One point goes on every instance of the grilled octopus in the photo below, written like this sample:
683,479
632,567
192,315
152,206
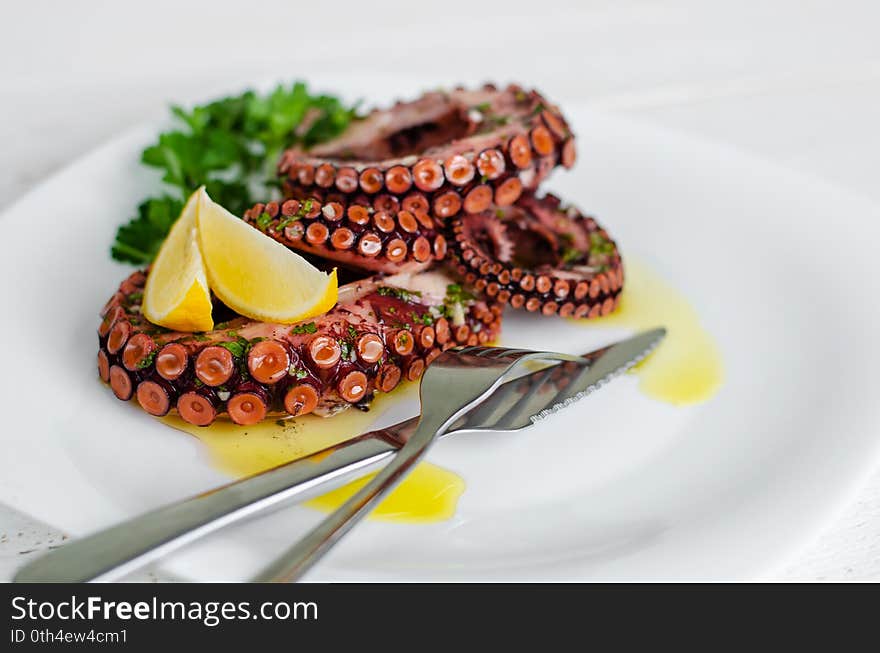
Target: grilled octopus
381,331
432,204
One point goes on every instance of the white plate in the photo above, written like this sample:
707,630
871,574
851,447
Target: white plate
618,487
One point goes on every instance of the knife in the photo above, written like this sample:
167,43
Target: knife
519,403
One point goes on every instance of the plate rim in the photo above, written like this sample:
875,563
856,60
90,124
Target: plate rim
848,490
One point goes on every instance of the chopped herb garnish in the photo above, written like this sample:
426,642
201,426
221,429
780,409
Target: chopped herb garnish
408,296
288,220
483,107
235,348
148,360
497,121
135,297
599,244
427,319
297,372
456,294
308,327
570,255
263,221
304,208
352,333
348,353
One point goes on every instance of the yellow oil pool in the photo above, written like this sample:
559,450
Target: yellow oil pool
429,493
686,368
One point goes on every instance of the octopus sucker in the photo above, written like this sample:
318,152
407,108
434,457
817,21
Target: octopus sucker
471,143
538,255
155,397
382,330
398,237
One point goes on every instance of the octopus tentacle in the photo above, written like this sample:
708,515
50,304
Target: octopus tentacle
382,330
400,237
538,255
462,148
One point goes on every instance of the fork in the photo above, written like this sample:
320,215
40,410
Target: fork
456,382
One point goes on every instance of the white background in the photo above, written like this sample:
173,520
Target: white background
794,82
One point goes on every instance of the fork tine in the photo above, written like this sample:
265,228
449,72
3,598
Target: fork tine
532,387
482,351
501,352
479,350
495,414
470,351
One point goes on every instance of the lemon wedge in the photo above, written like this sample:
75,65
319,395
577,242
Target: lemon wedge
257,276
176,295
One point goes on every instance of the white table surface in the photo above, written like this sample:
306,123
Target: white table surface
796,82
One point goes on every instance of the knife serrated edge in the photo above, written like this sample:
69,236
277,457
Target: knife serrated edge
652,339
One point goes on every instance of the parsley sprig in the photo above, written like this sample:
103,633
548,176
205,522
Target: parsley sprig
231,146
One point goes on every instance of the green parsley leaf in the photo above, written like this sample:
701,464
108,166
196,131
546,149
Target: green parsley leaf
139,240
230,145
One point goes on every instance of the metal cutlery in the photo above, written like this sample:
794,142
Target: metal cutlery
120,549
455,382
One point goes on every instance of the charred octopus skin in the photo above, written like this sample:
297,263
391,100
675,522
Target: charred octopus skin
539,255
461,150
381,332
354,233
